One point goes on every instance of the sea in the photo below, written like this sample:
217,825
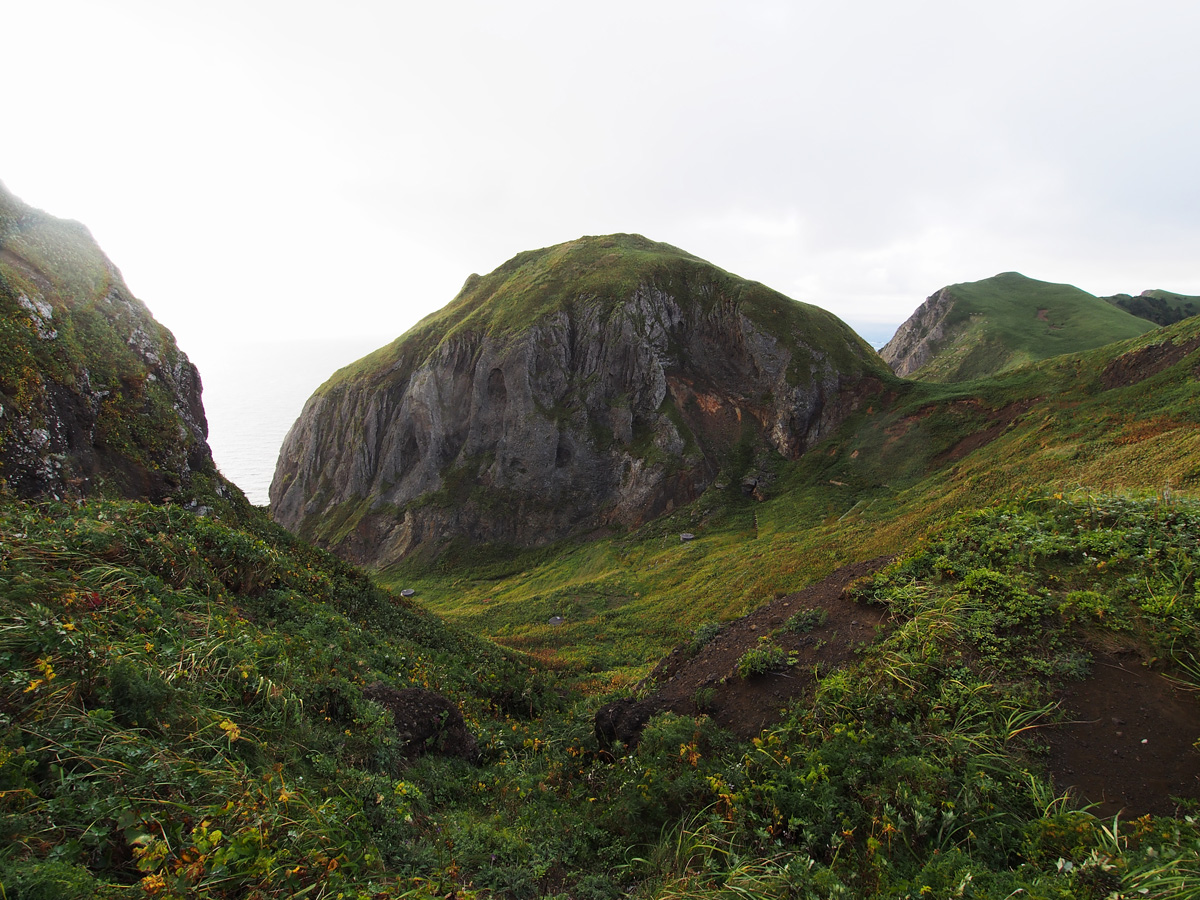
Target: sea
253,394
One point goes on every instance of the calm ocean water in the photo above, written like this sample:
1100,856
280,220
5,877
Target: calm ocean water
253,393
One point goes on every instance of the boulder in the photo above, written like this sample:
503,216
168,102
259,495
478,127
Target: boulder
623,720
426,722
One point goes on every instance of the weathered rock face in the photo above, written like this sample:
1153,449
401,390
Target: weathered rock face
95,397
920,337
982,328
527,418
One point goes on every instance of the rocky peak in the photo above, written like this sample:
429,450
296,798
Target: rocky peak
95,397
600,382
917,339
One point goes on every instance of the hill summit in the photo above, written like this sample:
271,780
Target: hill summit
982,328
599,382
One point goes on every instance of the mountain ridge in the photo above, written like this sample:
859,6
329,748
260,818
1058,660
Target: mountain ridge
981,328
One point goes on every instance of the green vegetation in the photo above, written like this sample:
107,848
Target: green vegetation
183,716
1009,320
1159,307
183,697
764,657
805,620
871,489
182,709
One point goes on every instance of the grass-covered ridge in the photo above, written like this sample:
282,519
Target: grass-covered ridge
603,272
1009,320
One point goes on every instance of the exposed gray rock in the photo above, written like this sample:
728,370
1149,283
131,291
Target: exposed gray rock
593,414
915,341
96,396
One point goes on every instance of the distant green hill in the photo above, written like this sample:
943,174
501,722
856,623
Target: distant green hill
1159,307
982,328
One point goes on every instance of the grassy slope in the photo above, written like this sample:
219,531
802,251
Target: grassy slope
1009,320
182,705
871,489
183,718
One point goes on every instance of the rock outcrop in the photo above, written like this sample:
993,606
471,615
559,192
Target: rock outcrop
95,397
919,336
595,383
425,721
982,328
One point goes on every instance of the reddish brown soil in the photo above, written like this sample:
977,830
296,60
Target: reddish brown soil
1097,752
1138,365
1000,419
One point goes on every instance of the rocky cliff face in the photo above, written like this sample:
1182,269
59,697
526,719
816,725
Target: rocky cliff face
982,328
601,382
95,397
918,339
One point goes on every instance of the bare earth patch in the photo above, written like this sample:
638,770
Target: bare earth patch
1126,744
747,706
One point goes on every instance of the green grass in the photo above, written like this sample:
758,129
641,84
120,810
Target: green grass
1009,320
183,716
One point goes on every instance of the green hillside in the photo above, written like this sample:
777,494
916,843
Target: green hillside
1159,307
196,703
1009,320
922,454
184,717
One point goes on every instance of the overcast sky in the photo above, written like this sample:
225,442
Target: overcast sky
302,170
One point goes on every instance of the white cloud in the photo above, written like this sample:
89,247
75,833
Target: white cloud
306,169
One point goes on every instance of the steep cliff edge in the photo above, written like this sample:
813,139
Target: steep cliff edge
599,382
95,397
981,328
